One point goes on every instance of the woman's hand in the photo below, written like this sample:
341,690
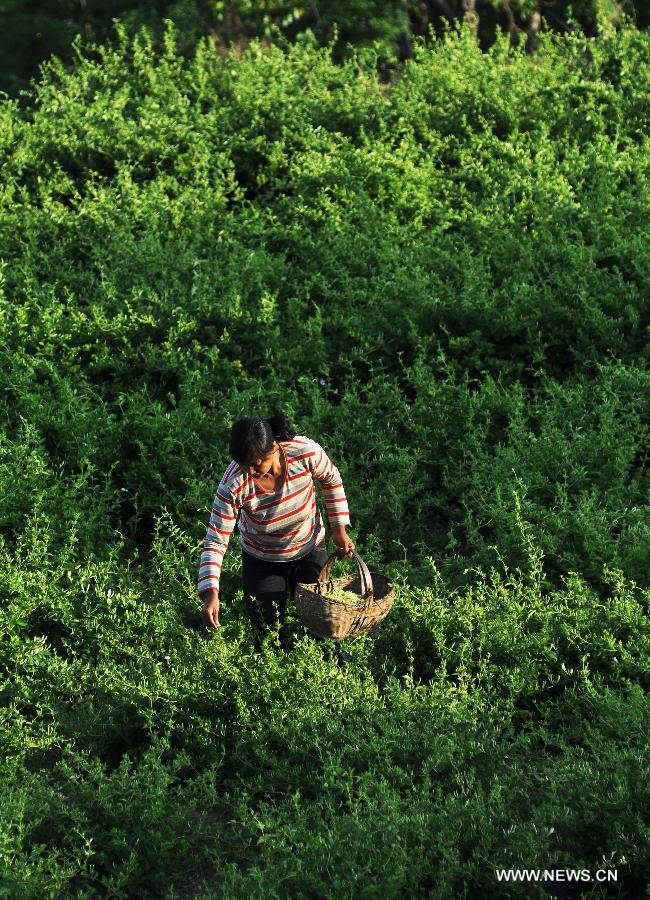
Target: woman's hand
210,611
344,544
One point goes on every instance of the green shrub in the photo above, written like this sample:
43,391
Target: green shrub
445,283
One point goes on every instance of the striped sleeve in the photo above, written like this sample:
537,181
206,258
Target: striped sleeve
222,523
329,477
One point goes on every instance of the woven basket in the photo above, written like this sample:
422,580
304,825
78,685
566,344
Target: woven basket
325,617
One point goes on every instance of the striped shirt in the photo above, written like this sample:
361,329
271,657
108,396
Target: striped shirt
274,525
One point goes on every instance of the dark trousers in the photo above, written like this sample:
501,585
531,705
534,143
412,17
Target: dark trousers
265,594
266,585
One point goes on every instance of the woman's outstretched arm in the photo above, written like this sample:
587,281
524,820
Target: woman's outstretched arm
222,523
329,478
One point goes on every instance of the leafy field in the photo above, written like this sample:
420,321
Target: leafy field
445,281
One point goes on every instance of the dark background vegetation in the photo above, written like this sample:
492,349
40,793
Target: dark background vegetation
32,30
443,277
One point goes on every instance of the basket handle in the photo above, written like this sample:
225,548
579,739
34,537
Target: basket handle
362,568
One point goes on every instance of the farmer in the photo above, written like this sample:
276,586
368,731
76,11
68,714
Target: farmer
268,487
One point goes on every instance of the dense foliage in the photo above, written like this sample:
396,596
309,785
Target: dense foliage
445,283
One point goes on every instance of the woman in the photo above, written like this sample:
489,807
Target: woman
268,488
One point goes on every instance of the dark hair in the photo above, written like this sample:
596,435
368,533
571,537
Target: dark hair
252,437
